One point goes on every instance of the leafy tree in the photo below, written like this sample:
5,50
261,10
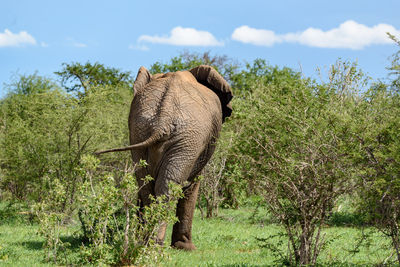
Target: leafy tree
45,134
295,145
78,79
379,140
260,72
28,114
186,60
223,181
379,155
236,187
30,84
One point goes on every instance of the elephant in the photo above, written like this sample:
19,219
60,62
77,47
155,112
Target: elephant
174,122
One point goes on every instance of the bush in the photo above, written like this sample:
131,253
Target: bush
45,133
113,231
295,147
379,163
378,155
217,179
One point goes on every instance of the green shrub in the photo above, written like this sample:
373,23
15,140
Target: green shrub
112,231
44,133
295,148
379,163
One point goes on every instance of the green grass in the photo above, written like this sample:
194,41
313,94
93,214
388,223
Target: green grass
229,240
19,244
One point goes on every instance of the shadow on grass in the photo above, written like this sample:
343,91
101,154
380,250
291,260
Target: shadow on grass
15,213
346,219
335,219
75,243
33,245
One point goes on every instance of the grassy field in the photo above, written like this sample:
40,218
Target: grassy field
229,240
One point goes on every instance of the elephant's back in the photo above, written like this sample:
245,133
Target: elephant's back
174,102
195,97
200,108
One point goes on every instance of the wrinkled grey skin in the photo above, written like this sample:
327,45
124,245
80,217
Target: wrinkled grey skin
174,122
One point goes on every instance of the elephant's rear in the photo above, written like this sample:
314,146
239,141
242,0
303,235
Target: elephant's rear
185,110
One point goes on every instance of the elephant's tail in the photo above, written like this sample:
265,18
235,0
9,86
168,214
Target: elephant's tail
146,143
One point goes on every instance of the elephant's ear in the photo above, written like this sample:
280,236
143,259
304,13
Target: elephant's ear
143,77
210,78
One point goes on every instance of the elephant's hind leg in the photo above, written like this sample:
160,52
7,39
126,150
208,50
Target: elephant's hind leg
182,230
181,164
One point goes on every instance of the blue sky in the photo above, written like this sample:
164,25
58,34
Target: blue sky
40,35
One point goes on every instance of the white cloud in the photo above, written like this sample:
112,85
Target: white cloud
248,35
11,39
183,37
349,34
